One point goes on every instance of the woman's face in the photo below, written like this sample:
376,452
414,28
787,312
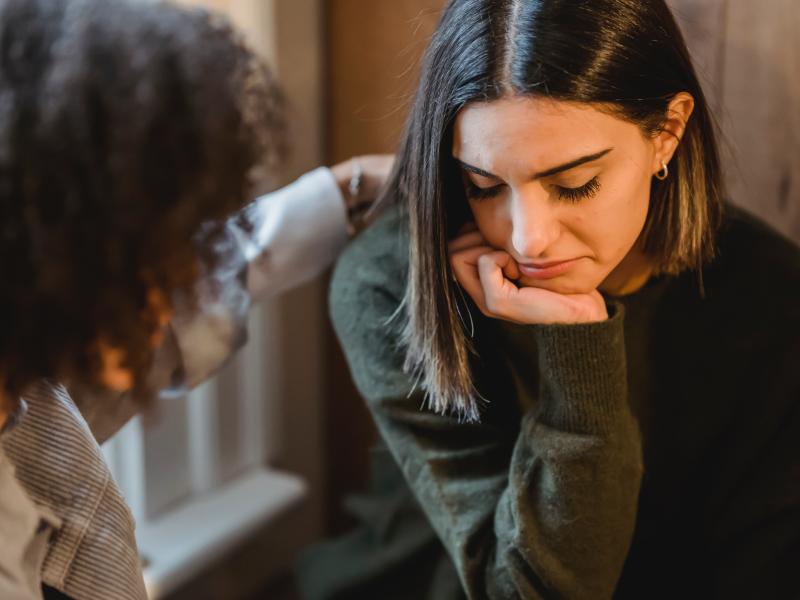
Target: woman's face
562,187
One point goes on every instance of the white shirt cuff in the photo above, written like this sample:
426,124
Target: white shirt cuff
298,232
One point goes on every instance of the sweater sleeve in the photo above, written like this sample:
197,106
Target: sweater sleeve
549,514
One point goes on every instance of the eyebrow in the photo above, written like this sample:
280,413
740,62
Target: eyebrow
547,173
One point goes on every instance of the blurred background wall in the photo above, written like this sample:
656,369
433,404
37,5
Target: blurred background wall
748,57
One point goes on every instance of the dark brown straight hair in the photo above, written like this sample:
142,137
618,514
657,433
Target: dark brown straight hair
626,57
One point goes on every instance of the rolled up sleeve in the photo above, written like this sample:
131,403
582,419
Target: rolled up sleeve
298,232
293,235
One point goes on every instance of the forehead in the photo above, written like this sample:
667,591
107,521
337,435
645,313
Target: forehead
539,127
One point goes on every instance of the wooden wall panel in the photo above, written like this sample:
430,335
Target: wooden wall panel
702,23
749,56
761,110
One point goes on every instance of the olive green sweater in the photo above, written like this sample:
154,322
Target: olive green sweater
656,454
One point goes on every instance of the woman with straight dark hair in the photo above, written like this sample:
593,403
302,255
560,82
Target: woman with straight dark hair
582,359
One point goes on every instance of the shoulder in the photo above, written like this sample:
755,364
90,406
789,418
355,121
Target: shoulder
366,295
371,274
740,316
745,237
751,310
756,265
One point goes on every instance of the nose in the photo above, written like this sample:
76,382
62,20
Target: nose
534,224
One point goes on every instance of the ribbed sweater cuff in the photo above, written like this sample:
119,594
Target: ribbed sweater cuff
584,376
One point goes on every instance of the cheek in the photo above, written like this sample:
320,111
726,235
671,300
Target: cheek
636,208
614,224
492,221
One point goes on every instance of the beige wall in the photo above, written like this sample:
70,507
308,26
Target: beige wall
374,49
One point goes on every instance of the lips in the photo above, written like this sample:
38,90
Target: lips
547,270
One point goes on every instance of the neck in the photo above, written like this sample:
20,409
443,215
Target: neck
630,275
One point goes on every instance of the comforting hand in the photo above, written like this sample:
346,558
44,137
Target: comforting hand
361,179
488,276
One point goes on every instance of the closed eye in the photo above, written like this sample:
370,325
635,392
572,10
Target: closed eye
475,192
565,193
588,190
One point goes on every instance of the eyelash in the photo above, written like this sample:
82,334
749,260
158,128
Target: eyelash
574,195
587,190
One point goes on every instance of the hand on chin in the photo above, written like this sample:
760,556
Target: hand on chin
493,280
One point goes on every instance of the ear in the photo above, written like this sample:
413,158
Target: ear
667,139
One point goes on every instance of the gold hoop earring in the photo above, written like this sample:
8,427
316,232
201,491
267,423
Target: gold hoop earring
663,173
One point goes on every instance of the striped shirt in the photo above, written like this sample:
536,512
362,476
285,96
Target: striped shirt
59,466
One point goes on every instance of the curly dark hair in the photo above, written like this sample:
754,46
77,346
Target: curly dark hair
124,127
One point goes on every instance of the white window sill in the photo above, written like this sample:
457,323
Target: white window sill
180,545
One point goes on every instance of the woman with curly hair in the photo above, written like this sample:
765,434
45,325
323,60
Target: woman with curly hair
132,135
582,360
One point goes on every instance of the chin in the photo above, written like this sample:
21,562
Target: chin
569,283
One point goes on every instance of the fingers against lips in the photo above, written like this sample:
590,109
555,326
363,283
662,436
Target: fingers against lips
488,276
493,271
482,271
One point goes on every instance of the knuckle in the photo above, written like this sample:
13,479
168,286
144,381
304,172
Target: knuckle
494,304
